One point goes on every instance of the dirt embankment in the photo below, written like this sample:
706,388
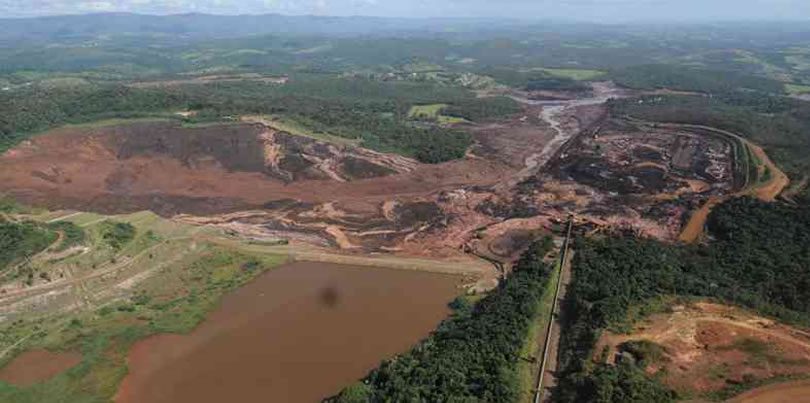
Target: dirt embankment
788,392
707,347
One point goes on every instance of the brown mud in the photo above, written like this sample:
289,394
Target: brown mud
36,366
299,333
522,174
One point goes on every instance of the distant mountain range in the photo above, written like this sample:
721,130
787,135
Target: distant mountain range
191,27
221,26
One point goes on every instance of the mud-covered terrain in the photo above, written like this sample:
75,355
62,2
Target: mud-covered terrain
523,173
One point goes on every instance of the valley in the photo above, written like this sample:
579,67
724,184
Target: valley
402,210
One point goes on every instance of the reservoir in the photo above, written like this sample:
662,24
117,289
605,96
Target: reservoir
298,333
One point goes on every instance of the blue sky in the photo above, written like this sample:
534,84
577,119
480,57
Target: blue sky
591,10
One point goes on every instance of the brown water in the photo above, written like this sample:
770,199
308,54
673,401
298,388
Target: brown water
296,334
35,366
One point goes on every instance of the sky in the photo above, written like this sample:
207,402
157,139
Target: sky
588,10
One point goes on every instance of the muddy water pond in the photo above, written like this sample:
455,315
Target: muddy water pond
35,366
298,333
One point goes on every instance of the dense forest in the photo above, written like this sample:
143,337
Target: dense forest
480,109
655,76
22,240
758,259
533,80
374,112
472,356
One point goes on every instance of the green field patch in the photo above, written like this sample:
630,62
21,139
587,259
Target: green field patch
574,74
433,112
292,126
181,279
118,122
797,89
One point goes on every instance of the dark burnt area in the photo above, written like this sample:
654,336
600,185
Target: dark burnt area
357,168
518,207
235,147
415,213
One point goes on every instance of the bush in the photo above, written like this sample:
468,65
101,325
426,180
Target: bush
117,234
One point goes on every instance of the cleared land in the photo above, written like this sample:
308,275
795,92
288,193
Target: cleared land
433,111
575,74
703,348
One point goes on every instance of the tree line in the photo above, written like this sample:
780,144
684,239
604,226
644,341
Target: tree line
758,259
374,112
474,355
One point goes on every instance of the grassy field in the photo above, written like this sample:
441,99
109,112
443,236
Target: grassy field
103,299
433,111
575,74
797,89
118,122
288,125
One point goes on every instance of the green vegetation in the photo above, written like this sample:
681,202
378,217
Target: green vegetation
691,79
765,273
532,349
117,234
22,240
433,113
190,285
290,126
481,109
797,89
373,113
575,74
645,351
8,205
474,355
71,234
105,337
36,109
540,79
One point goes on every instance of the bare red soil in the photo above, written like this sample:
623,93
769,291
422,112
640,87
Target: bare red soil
171,170
522,174
708,347
36,366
